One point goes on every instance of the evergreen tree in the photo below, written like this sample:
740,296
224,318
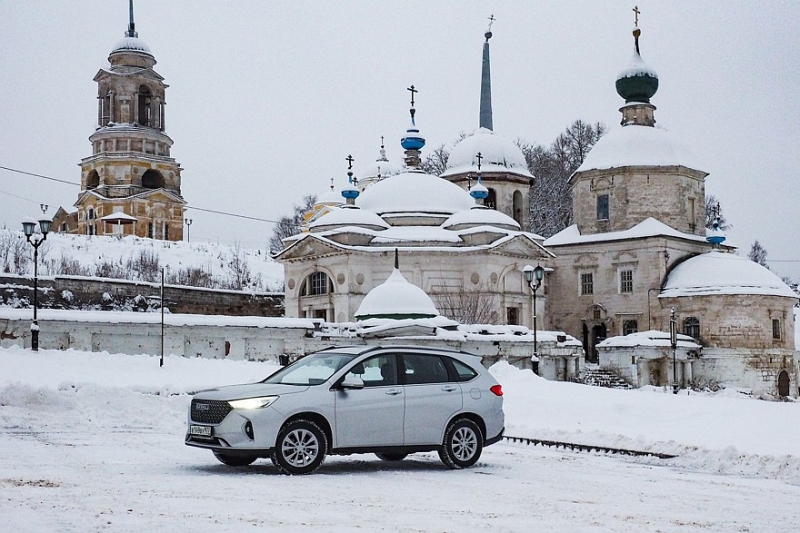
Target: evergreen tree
290,225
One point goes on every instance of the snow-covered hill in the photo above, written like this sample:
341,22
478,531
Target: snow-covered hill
201,264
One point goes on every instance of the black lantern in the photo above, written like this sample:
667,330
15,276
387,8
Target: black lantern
29,228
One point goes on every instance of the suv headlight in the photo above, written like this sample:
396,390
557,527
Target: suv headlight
253,403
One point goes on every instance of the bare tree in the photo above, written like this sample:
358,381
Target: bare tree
713,211
758,254
475,307
238,269
290,225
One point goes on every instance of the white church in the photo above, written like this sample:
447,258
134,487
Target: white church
637,258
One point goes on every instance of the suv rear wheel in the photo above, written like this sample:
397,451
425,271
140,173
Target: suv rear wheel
300,448
463,444
234,460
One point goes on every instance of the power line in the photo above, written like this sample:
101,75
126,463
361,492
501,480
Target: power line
75,183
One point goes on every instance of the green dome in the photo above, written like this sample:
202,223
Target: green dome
639,87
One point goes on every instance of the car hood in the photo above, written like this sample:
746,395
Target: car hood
250,390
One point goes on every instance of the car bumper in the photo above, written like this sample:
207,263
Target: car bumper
495,439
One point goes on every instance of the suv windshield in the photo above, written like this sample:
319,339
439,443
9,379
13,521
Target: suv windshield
310,370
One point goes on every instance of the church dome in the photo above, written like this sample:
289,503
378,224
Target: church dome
396,298
717,273
638,82
498,154
638,145
415,192
329,197
132,44
480,216
382,168
348,215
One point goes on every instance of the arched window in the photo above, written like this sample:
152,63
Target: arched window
518,208
152,179
92,180
145,118
491,200
691,327
630,326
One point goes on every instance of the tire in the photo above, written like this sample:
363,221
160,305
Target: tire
300,448
234,460
463,444
391,456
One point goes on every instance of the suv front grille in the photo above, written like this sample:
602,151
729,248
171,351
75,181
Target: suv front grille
210,411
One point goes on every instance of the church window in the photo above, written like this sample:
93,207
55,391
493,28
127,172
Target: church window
92,180
602,207
90,214
776,329
630,326
587,283
318,283
491,200
152,179
144,106
626,281
691,327
518,208
166,231
150,230
512,316
692,214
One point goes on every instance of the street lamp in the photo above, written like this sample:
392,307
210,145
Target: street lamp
673,340
29,227
534,278
188,222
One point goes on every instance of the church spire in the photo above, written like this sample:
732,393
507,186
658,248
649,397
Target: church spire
486,82
131,25
637,84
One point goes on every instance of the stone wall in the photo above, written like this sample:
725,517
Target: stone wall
75,292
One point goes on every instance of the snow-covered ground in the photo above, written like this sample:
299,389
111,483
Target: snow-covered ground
100,256
94,442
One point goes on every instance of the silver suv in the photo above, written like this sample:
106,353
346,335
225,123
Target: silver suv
391,401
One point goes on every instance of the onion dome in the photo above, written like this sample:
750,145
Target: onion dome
396,298
638,82
715,235
350,191
499,154
479,191
376,171
716,273
415,192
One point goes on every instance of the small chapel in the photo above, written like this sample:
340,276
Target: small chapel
130,185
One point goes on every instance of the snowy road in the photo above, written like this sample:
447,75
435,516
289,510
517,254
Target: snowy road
106,453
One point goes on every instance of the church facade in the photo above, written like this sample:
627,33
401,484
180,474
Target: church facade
130,184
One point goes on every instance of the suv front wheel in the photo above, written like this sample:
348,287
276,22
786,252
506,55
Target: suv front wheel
300,448
463,444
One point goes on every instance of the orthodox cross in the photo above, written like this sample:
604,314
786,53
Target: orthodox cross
413,92
382,141
349,160
636,15
332,184
479,157
491,21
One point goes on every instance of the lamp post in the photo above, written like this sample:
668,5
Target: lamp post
534,278
673,340
29,227
188,222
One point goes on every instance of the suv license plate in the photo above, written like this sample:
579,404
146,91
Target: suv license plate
203,431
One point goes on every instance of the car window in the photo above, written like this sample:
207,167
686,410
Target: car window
313,369
420,368
377,371
463,372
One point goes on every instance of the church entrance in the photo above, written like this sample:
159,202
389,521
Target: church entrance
599,334
783,384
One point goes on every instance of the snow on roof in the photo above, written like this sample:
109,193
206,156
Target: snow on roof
499,154
396,297
480,215
718,272
349,215
113,217
637,67
648,338
635,145
417,234
329,197
414,191
383,167
133,44
649,227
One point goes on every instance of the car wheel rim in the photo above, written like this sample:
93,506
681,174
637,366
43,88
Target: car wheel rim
465,443
300,447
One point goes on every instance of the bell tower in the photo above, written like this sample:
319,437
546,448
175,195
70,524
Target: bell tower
130,185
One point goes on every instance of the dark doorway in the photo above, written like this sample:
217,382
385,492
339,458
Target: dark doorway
599,334
585,337
512,316
783,384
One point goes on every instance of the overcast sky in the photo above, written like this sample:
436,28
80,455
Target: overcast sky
266,99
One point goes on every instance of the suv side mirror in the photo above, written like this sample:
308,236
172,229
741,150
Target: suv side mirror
352,382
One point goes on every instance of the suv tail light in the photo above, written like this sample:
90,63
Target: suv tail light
497,390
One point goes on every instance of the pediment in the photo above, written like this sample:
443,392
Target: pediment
523,247
307,247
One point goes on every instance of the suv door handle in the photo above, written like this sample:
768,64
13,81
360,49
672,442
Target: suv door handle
449,388
394,392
